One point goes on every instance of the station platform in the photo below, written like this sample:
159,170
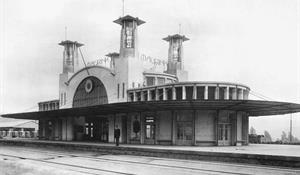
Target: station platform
262,154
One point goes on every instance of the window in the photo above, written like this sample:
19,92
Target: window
184,122
87,128
118,90
61,99
160,80
211,93
189,92
65,99
123,90
132,84
129,35
150,81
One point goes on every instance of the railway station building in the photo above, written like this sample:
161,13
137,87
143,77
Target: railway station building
149,107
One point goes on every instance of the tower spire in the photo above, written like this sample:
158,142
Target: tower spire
65,32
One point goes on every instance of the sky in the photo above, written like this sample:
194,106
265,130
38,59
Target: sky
252,42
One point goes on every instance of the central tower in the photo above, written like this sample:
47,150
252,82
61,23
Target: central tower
129,68
129,38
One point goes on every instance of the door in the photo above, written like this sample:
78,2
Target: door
124,129
96,129
102,130
224,134
49,130
89,130
149,130
184,133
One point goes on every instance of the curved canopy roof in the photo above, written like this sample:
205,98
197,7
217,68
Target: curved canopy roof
252,107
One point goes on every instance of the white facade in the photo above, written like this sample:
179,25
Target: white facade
128,81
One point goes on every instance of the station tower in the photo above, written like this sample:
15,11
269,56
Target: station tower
129,68
70,66
175,56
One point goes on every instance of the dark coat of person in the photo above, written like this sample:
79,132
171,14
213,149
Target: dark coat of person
117,133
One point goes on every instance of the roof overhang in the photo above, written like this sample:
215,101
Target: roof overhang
251,107
129,18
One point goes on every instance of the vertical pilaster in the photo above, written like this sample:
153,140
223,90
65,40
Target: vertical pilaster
155,81
156,94
149,95
173,131
216,127
227,93
164,94
245,94
142,96
217,93
157,128
194,128
173,93
142,122
183,93
235,93
134,96
206,93
194,92
129,122
241,94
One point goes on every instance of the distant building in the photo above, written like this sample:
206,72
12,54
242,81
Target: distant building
149,107
48,105
22,129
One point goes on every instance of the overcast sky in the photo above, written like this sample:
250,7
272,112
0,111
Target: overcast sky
254,42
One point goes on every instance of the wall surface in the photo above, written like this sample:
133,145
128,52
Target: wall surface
205,127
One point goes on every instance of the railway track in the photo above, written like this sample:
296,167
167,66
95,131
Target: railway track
150,164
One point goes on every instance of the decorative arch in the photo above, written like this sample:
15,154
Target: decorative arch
90,92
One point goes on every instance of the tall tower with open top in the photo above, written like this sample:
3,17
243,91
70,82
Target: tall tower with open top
175,56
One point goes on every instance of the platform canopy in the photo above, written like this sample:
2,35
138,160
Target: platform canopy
253,107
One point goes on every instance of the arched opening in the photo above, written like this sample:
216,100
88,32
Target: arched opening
90,92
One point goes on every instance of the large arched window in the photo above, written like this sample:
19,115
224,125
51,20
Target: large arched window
90,92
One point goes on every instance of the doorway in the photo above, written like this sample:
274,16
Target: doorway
149,130
224,134
184,133
124,129
96,129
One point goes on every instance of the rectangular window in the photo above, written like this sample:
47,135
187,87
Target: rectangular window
61,99
118,90
65,99
150,81
123,90
132,84
211,93
160,81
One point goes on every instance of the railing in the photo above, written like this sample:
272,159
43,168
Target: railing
190,91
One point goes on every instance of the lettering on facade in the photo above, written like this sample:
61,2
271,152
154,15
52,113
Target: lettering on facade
147,59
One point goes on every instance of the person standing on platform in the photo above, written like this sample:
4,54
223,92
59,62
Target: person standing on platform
117,135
